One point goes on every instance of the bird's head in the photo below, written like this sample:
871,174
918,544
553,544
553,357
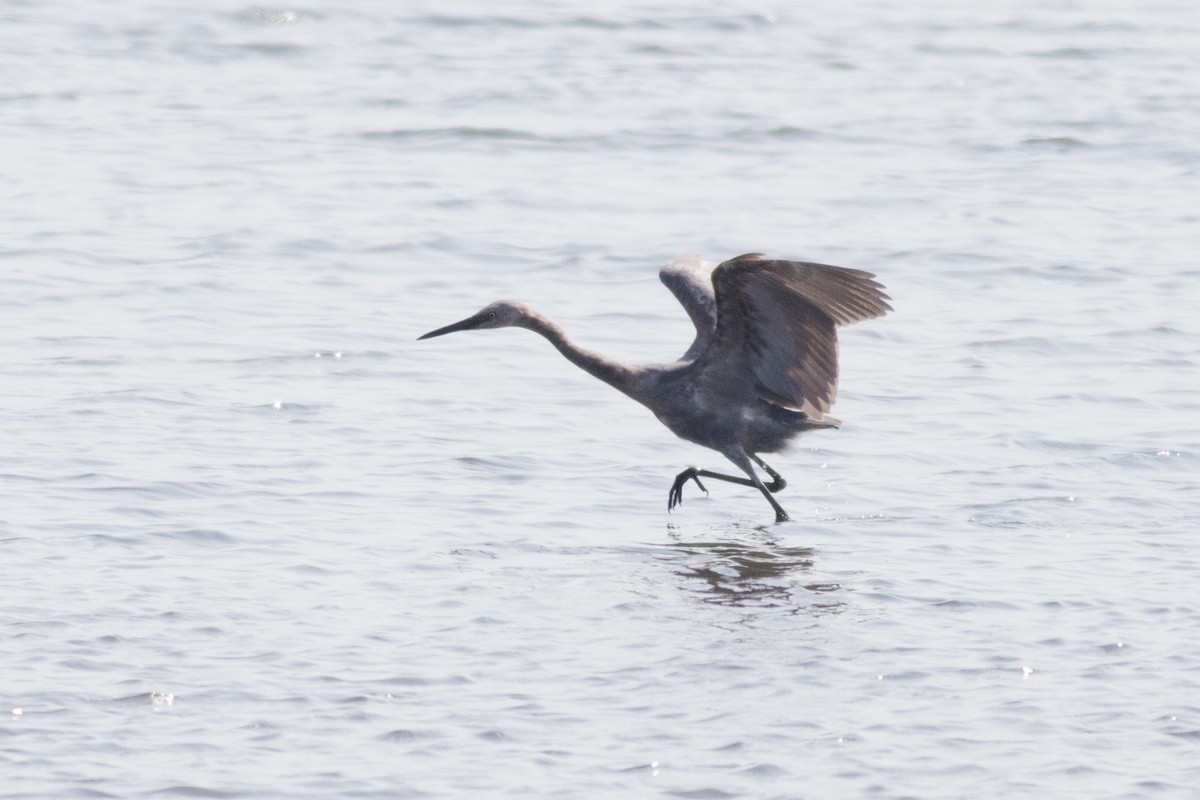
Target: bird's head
500,314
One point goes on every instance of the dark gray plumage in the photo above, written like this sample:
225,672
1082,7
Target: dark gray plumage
693,289
763,366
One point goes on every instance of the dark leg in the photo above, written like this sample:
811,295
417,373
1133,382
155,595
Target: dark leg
675,496
739,456
777,482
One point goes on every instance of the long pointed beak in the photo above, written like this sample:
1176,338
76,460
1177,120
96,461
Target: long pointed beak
464,325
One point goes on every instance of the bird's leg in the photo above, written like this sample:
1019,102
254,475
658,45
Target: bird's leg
780,514
675,496
777,482
695,473
739,456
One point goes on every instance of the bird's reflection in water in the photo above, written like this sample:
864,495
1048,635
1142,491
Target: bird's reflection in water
749,567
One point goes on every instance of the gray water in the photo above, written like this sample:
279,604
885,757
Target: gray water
258,542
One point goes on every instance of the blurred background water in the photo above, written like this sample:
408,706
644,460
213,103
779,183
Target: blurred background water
257,541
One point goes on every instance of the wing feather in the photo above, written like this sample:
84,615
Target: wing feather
689,282
777,326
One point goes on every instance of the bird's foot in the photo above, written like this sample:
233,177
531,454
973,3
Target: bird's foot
675,496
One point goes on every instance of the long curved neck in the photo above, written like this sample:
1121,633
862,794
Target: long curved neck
619,376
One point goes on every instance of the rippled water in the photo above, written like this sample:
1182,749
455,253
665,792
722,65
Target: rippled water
257,541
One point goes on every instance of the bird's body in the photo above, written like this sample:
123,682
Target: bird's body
762,368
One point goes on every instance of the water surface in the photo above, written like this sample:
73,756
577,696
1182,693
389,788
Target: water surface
258,541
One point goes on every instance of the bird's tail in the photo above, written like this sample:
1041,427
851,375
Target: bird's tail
802,420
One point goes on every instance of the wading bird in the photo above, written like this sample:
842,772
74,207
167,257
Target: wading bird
762,369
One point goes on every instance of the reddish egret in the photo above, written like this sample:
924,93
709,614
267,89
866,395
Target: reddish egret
762,369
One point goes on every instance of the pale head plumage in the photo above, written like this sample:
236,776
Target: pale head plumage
500,314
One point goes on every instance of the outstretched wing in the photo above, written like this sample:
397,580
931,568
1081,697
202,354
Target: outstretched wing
688,280
776,326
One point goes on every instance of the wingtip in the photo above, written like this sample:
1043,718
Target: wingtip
690,261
